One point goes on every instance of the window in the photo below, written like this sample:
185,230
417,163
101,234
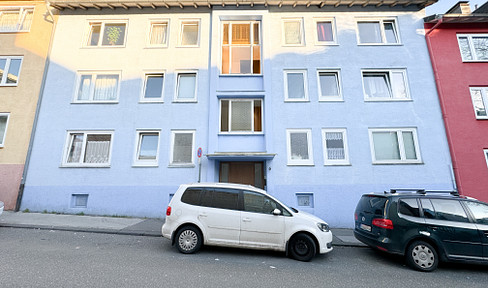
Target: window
79,200
147,149
3,127
102,34
259,203
10,70
296,85
449,210
241,47
299,145
479,96
16,19
189,33
241,115
378,32
335,147
153,87
395,146
182,142
89,149
97,87
325,32
329,85
192,196
221,198
473,47
385,85
305,200
158,33
292,32
186,87
485,151
409,207
479,211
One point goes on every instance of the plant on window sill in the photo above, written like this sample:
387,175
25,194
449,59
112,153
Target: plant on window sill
113,35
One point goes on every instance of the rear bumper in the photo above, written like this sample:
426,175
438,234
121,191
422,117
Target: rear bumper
379,242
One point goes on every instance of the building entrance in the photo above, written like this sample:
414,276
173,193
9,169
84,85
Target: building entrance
251,173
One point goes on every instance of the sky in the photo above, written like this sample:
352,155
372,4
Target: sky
442,6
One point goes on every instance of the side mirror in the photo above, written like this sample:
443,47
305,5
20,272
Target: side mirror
276,212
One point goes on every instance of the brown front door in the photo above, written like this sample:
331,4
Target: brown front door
251,173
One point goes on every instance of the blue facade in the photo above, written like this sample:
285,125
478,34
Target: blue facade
327,190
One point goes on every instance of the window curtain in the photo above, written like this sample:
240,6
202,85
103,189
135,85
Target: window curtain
27,21
106,87
398,85
328,84
158,34
190,34
409,145
182,148
75,148
390,33
324,32
481,47
464,47
242,113
296,89
292,32
479,106
335,146
369,32
9,21
299,146
376,85
386,146
97,149
3,127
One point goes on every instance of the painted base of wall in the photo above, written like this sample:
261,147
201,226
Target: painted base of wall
10,176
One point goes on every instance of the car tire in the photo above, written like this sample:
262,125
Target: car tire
302,247
422,256
189,239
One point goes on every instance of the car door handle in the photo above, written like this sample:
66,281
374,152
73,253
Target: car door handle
203,215
433,228
486,233
246,219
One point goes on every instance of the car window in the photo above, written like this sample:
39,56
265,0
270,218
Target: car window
409,207
220,198
192,196
254,202
372,204
450,210
427,208
479,210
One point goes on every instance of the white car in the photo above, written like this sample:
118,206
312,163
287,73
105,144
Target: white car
243,216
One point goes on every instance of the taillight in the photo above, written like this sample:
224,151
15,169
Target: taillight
356,216
383,223
168,211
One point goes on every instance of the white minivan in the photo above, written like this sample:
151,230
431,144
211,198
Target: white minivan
235,215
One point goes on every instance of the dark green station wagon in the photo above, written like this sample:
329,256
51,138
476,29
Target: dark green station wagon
424,226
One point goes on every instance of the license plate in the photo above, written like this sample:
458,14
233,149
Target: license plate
365,227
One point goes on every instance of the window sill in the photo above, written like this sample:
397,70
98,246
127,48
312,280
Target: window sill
380,44
185,101
84,166
387,100
157,47
95,102
398,163
141,165
9,85
241,134
331,100
103,47
151,101
293,45
297,101
241,75
327,44
337,164
189,165
300,164
188,46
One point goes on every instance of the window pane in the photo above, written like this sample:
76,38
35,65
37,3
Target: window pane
224,114
158,33
241,60
3,63
154,86
192,196
334,143
256,33
28,16
449,210
480,212
76,144
481,47
94,34
186,86
182,148
113,34
409,207
3,127
398,85
97,148
9,20
479,105
409,145
106,87
292,32
190,34
390,32
324,32
148,146
299,146
256,60
257,203
257,116
328,84
85,87
225,36
241,33
225,199
13,71
296,89
369,32
386,146
241,116
376,85
464,47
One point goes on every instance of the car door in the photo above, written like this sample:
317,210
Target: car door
260,228
480,215
447,222
220,216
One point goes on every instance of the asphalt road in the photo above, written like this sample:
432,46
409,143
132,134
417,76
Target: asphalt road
42,258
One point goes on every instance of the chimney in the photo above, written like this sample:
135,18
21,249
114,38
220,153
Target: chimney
462,7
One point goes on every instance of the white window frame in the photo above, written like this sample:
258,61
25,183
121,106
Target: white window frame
148,74
102,23
485,151
146,162
334,31
171,156
3,80
381,22
401,145
484,99
305,86
251,100
390,84
177,86
299,162
22,11
300,23
471,47
184,22
94,75
153,22
328,161
2,144
325,98
85,133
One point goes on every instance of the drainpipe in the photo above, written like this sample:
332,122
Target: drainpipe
454,168
38,107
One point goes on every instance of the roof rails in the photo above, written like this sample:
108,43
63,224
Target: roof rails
422,191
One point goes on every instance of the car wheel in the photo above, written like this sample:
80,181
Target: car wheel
422,256
188,240
302,247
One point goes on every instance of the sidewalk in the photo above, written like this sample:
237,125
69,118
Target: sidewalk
121,226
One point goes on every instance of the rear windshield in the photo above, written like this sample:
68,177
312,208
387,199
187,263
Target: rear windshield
372,204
